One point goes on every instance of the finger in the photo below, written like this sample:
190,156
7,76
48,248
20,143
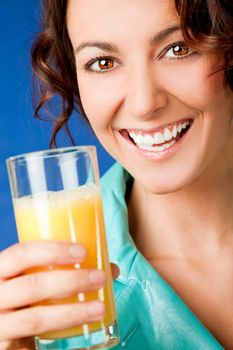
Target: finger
18,344
32,288
23,256
6,344
115,271
41,319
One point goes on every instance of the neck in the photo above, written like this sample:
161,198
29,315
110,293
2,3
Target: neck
189,224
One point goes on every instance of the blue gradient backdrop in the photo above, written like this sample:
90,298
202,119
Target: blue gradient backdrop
19,132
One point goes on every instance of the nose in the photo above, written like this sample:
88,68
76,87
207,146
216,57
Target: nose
144,95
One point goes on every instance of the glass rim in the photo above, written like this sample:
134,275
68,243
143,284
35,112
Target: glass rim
49,153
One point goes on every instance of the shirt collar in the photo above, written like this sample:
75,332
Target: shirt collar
122,250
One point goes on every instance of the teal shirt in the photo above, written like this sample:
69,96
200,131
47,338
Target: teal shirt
151,315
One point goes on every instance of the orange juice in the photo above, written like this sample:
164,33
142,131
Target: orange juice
77,216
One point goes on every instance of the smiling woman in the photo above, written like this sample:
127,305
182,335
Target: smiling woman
154,79
206,25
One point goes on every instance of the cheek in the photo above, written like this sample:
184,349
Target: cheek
193,85
101,98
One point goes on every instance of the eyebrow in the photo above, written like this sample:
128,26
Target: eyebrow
110,47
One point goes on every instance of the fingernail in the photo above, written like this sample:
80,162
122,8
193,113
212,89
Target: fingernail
77,251
97,277
95,308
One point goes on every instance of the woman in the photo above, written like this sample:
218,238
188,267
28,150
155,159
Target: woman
154,79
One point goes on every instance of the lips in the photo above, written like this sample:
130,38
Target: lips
158,139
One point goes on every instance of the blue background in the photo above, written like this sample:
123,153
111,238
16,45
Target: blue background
19,132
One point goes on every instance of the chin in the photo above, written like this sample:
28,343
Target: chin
173,184
162,189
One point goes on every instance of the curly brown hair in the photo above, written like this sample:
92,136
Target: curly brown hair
206,25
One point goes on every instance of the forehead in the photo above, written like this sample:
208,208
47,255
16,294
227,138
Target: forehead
114,19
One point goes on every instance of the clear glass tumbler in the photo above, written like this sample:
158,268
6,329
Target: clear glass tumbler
56,196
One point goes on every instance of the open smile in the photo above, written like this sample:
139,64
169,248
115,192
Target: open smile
160,139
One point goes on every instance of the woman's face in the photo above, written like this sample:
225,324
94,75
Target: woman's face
148,97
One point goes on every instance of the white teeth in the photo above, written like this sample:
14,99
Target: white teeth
133,135
184,125
148,140
167,145
179,128
174,131
159,138
157,148
139,139
161,148
167,134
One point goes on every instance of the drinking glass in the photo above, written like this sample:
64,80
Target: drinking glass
56,196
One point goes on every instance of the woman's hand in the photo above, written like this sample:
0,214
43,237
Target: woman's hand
19,319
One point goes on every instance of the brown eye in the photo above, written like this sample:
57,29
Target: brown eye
105,64
101,64
180,50
177,51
